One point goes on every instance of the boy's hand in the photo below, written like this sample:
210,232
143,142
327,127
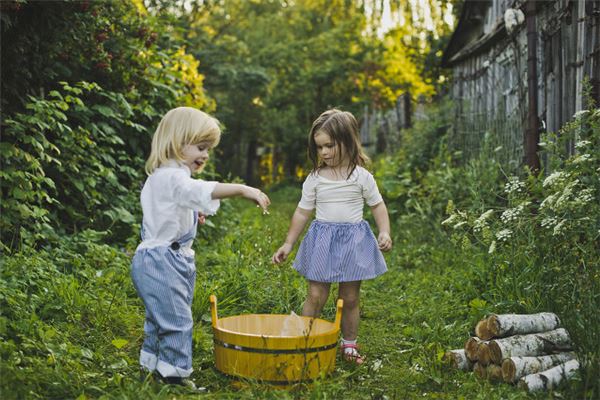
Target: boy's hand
261,199
384,241
201,219
282,254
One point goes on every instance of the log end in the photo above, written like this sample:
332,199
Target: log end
508,370
471,348
482,331
494,373
483,354
480,370
495,353
493,326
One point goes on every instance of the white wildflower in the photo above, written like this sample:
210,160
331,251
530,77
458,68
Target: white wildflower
504,235
582,143
582,158
492,247
549,222
559,228
450,219
514,185
549,201
481,222
554,178
585,196
512,214
580,114
461,223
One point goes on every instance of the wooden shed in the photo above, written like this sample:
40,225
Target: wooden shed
519,68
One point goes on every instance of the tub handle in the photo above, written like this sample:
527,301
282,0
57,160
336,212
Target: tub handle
338,314
213,310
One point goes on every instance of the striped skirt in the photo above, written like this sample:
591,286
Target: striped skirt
339,252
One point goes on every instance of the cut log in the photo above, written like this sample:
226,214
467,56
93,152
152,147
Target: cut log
472,348
534,344
512,324
549,379
458,360
514,368
482,331
494,373
483,353
480,370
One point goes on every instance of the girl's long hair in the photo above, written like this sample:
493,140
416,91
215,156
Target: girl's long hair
179,127
342,128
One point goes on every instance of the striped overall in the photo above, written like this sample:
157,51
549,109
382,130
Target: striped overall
164,279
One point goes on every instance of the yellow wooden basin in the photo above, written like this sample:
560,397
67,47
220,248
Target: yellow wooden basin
274,348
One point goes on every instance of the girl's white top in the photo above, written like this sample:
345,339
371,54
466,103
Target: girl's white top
340,201
169,198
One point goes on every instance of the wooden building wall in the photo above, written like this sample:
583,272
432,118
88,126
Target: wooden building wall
490,85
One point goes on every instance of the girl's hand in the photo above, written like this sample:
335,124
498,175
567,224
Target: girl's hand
261,199
384,241
282,254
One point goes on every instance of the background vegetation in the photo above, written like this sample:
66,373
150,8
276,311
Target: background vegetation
85,83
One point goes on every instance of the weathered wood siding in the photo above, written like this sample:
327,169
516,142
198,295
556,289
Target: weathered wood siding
490,87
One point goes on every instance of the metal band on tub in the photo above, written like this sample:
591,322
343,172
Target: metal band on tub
274,351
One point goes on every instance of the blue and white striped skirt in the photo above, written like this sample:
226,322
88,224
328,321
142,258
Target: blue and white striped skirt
339,252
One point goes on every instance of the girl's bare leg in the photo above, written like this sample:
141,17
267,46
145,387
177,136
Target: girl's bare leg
317,296
350,293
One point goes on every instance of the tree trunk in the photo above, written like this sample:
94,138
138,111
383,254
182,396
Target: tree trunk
512,324
550,378
472,348
458,360
534,344
515,368
482,331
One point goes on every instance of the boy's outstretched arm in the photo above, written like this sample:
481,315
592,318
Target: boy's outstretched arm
225,190
299,220
382,219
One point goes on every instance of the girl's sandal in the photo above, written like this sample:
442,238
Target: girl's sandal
350,354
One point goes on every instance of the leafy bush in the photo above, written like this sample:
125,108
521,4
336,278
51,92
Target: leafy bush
62,158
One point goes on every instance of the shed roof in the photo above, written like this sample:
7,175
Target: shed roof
469,38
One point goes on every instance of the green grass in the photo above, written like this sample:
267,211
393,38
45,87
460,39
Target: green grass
71,324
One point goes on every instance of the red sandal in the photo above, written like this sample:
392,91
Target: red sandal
350,353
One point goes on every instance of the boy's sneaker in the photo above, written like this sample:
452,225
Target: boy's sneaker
185,382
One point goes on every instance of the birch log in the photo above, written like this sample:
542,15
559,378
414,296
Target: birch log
481,330
534,344
458,359
494,373
512,324
480,370
472,348
549,379
483,353
514,368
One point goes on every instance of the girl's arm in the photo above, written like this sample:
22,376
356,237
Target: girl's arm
225,190
382,219
299,220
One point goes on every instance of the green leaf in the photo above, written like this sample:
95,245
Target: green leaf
119,343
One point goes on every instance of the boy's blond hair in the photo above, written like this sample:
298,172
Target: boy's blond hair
179,127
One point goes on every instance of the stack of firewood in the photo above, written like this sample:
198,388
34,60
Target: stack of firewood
529,350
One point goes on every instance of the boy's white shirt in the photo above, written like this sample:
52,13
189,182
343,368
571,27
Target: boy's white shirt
169,198
340,201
